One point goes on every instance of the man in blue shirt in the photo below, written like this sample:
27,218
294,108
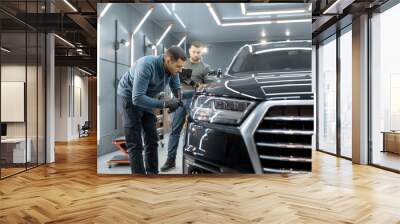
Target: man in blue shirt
137,91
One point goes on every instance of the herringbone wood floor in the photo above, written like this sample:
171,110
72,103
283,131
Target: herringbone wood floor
70,191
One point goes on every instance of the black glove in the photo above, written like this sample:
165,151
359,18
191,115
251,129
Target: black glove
178,94
194,84
172,105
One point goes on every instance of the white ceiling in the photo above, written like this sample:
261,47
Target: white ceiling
200,24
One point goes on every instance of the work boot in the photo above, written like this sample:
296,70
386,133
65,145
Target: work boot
168,165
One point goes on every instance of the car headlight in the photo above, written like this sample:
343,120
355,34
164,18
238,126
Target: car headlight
220,110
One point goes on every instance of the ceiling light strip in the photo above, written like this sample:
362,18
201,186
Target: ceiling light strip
275,12
84,71
213,13
106,8
179,20
164,34
219,23
330,7
166,8
243,8
143,20
64,40
5,50
70,5
181,42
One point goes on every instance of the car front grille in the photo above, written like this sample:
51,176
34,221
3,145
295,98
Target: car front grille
284,138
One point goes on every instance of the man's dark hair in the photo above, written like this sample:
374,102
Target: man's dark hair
197,44
176,53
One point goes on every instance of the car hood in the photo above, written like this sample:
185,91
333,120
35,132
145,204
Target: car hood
262,86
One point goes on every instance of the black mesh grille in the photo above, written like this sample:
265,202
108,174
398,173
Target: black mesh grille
284,137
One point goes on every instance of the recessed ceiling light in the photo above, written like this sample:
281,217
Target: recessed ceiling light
263,34
263,41
287,33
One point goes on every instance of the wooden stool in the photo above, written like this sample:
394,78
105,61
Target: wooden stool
120,143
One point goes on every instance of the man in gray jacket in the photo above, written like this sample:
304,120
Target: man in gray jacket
199,76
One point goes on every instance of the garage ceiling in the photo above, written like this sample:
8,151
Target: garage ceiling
200,25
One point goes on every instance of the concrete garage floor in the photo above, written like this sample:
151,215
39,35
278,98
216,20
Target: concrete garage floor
102,166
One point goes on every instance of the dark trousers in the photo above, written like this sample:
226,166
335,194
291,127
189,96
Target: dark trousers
137,122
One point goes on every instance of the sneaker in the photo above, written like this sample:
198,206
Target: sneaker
168,165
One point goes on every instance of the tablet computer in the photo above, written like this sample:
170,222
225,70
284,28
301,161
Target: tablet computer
186,74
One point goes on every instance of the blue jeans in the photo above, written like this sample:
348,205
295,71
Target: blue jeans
179,117
135,122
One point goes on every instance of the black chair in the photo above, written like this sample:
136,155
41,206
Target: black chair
84,130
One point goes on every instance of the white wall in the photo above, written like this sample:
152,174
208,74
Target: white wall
128,18
67,114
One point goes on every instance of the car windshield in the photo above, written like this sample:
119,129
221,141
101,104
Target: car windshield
281,59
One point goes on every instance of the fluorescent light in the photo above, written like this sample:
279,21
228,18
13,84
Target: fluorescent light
310,7
247,23
263,34
105,10
166,8
182,40
86,72
243,8
284,49
143,20
214,14
218,21
293,21
65,41
5,50
258,13
70,5
132,50
164,34
173,7
330,7
179,20
287,33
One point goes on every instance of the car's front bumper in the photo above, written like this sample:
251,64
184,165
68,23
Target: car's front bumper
226,149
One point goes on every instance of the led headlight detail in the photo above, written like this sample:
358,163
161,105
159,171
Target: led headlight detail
220,110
